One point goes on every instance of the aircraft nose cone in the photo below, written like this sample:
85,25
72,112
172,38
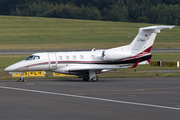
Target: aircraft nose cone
9,69
17,67
6,69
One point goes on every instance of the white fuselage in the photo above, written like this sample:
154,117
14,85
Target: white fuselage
63,61
56,60
86,64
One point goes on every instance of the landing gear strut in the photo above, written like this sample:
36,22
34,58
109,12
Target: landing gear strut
92,76
21,79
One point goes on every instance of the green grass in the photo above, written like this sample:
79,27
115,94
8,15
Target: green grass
166,56
7,60
54,33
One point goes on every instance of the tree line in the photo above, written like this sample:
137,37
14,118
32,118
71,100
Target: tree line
148,11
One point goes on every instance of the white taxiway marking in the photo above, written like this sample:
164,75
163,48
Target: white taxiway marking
92,98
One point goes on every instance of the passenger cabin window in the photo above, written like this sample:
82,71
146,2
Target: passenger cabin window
60,57
67,57
81,57
74,57
92,57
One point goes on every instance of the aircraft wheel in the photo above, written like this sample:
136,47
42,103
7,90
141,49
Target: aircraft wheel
86,78
24,80
95,79
19,80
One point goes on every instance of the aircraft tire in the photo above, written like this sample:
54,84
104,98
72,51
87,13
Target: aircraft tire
95,79
86,78
19,80
24,80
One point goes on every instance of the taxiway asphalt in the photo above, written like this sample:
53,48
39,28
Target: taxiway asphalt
108,99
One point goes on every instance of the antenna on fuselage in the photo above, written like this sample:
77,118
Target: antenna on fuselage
93,49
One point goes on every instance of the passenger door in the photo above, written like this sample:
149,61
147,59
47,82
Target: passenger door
52,61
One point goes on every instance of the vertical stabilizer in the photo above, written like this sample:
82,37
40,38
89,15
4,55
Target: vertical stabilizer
145,39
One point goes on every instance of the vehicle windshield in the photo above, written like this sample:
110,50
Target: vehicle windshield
32,57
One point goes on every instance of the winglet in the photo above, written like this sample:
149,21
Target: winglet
136,63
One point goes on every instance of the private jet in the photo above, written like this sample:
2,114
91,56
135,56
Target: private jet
86,64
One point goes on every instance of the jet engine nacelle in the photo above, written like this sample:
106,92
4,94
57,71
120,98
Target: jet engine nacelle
115,55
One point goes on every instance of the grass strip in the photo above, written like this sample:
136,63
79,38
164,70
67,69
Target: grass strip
55,33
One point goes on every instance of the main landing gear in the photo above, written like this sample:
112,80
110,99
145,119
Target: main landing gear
94,79
92,76
86,78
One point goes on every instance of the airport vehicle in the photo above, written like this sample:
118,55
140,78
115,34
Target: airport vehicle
86,64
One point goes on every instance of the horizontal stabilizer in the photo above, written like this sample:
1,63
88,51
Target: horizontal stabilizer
156,27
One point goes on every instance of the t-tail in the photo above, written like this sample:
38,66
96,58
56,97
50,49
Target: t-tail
144,40
140,47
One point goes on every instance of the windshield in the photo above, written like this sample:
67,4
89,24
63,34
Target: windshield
32,57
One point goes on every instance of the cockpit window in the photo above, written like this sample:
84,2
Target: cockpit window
32,57
36,58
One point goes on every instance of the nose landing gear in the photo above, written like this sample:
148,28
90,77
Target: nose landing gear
21,79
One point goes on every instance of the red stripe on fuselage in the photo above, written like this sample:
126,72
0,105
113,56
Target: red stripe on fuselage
145,52
33,65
